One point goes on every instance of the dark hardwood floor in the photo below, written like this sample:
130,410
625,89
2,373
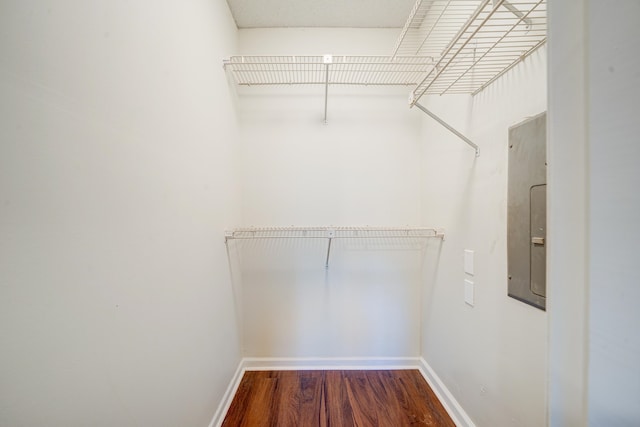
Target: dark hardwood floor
335,398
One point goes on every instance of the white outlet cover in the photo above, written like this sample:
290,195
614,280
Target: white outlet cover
468,261
468,292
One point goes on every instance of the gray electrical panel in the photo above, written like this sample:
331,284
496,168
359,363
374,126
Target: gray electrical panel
527,211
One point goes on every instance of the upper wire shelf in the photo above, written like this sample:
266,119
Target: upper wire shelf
445,47
474,42
328,70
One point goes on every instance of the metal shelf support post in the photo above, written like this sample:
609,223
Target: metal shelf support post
328,60
330,235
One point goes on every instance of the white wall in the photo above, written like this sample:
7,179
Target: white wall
491,356
362,168
118,163
567,214
118,147
594,375
614,203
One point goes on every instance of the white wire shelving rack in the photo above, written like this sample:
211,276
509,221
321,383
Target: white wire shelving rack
445,47
328,70
474,41
330,233
324,70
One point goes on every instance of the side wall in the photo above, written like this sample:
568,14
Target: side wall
594,377
614,204
567,208
491,356
117,178
362,168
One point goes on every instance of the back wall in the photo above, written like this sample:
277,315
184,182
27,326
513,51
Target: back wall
362,168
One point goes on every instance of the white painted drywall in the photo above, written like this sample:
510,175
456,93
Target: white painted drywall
567,214
594,378
118,149
491,356
614,206
362,168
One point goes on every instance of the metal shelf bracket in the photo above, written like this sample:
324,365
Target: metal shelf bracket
449,128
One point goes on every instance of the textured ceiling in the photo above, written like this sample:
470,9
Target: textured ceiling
320,13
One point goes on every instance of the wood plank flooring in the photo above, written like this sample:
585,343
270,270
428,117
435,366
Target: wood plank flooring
336,399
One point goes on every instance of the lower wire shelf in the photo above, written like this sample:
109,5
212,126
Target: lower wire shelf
330,233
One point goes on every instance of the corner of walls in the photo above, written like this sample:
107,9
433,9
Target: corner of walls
227,398
448,400
478,351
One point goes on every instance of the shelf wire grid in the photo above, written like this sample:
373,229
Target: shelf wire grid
331,232
342,70
473,42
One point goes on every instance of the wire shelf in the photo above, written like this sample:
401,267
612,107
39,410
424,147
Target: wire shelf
445,47
331,232
328,70
474,41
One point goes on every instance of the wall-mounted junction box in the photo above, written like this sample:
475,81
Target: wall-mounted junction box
527,207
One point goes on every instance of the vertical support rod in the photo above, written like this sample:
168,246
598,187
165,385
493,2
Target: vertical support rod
326,91
449,128
326,264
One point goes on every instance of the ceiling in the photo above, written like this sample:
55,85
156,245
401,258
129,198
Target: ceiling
320,13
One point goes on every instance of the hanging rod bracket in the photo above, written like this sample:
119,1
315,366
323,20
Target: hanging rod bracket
449,128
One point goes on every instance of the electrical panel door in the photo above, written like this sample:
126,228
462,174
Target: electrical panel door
527,207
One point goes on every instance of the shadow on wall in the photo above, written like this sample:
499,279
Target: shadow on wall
365,304
430,263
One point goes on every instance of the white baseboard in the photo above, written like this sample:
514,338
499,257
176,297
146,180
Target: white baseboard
224,405
451,405
326,363
459,416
